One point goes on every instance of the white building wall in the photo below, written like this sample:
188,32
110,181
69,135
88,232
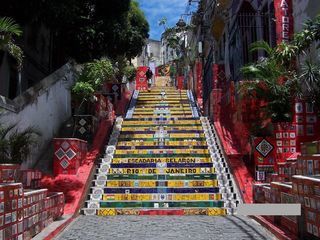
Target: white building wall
50,107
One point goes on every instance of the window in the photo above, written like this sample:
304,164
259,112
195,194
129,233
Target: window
313,203
309,107
300,130
311,119
318,205
248,31
299,107
311,216
306,202
299,119
306,189
310,130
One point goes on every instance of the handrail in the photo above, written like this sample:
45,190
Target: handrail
240,193
129,104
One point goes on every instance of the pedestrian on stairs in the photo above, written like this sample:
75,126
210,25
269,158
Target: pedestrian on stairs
149,75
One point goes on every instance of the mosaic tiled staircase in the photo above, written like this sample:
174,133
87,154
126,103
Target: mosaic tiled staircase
162,159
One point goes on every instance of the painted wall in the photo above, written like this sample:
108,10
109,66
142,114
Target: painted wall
48,107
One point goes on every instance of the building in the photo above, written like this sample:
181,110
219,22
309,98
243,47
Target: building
221,41
225,30
151,54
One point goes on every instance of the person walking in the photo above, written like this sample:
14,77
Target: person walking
149,75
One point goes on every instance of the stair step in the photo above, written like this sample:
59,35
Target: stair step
97,196
190,211
163,159
167,204
160,177
163,190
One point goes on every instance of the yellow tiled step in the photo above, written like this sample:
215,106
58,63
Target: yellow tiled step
158,151
153,184
161,170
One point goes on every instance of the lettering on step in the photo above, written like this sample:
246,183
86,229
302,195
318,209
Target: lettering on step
181,171
158,160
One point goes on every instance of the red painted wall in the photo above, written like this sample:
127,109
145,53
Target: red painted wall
180,82
141,79
199,91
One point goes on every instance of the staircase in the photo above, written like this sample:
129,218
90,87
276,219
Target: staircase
162,159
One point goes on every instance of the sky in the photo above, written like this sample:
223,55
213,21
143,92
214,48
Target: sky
157,9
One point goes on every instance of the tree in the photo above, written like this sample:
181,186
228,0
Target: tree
87,29
136,33
8,30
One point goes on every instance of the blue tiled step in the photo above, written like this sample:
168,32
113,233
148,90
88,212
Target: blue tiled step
161,204
162,190
164,147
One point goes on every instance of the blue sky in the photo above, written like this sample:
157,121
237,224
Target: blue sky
157,9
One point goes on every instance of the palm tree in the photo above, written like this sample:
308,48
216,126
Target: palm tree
163,22
266,83
16,145
8,30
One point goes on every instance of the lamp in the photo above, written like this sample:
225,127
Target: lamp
181,23
200,47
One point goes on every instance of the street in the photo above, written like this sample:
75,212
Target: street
164,227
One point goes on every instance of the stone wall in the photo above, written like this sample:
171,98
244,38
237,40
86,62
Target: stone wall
45,106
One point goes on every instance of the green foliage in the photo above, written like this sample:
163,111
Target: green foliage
266,83
86,29
130,72
92,77
8,30
275,80
8,27
135,32
82,90
15,146
163,22
97,72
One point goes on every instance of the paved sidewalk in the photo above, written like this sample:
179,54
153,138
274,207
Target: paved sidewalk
164,228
